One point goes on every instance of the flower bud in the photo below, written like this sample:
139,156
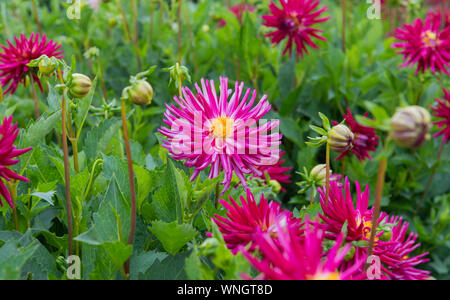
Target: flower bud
276,186
46,67
80,86
209,246
386,236
410,126
350,254
340,138
319,174
140,93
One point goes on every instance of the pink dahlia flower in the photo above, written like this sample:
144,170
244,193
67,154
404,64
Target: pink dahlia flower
242,222
276,172
8,154
301,258
14,59
220,131
442,112
294,21
425,44
365,139
393,249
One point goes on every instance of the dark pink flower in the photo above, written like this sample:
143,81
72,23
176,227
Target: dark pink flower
365,139
291,257
8,154
243,221
442,112
14,60
393,249
425,44
294,21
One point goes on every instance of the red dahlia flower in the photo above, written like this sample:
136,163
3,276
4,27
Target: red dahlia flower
294,21
244,221
442,112
14,60
426,44
301,258
8,154
393,247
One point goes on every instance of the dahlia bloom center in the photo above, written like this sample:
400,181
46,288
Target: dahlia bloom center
292,23
430,38
222,127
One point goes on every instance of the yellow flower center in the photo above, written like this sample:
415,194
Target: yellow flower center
324,276
222,127
430,38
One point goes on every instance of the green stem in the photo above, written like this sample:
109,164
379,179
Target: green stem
377,207
126,27
35,98
131,179
327,179
13,191
36,16
136,33
66,171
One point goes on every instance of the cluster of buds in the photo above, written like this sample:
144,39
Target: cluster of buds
139,91
410,126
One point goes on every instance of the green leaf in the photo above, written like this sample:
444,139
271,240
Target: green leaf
173,236
98,138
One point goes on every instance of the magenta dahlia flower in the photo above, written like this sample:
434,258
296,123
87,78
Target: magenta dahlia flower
221,131
244,221
294,21
8,154
14,59
425,44
301,258
391,247
276,172
442,112
365,139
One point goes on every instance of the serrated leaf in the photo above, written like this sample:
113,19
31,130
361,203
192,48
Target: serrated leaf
173,236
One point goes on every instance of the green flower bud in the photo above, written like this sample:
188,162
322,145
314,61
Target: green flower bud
276,186
209,247
112,22
80,85
350,254
410,126
386,236
46,66
340,138
140,93
319,173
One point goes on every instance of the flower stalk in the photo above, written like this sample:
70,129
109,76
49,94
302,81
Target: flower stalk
131,178
35,98
66,170
377,209
36,16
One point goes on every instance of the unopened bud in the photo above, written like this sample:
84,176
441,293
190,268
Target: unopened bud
276,186
209,246
410,126
350,254
340,138
46,66
140,93
80,85
386,236
319,174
